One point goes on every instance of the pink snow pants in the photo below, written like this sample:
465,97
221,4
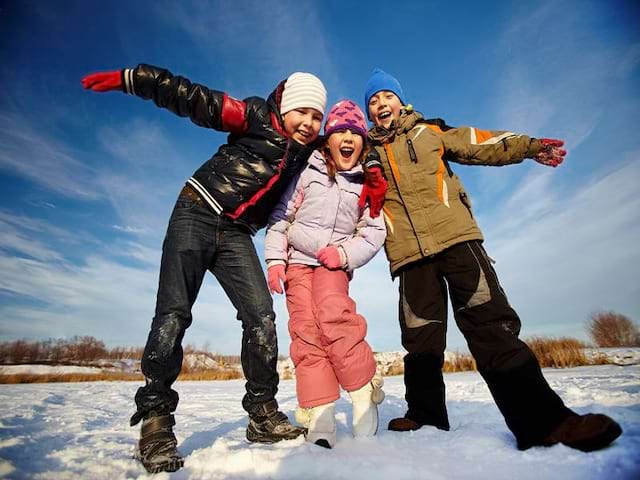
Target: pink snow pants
327,335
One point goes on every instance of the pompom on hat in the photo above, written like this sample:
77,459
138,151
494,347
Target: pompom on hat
345,115
303,90
379,81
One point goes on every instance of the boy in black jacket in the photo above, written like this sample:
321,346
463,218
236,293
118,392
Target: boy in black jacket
221,206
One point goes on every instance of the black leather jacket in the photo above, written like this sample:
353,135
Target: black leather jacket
247,175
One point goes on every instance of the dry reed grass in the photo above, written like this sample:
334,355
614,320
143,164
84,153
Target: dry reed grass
460,363
112,377
211,375
550,352
69,377
558,352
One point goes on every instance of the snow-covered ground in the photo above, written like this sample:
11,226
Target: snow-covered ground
80,431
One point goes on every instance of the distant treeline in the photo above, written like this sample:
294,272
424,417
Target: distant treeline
80,350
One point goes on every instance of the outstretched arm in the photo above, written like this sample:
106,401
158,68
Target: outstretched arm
205,107
473,146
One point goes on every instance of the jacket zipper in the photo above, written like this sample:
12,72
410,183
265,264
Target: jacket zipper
412,152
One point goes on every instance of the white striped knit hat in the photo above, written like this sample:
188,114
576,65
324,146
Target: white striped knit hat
303,90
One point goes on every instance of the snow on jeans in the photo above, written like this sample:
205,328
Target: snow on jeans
327,335
198,240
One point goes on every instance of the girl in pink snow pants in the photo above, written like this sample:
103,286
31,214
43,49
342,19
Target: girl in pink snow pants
317,236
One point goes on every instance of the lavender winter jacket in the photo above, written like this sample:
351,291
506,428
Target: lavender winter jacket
316,211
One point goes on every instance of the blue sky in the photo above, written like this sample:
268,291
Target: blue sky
88,180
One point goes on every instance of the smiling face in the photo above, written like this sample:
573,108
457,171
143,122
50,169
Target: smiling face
345,148
384,107
302,124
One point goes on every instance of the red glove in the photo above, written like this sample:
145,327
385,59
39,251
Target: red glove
551,154
330,257
373,190
103,81
276,278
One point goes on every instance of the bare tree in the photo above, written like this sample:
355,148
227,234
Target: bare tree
611,329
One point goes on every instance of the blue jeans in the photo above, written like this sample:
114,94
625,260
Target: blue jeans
198,240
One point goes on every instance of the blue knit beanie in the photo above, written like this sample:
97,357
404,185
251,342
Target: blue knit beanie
381,80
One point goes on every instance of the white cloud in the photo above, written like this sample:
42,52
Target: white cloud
18,232
629,60
30,153
129,229
562,254
259,34
109,300
564,84
144,177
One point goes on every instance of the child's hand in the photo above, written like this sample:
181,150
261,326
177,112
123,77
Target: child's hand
373,191
276,278
551,154
330,257
103,81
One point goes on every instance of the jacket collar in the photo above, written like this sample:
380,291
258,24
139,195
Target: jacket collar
403,124
317,161
273,102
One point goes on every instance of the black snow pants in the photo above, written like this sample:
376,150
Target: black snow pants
490,326
198,240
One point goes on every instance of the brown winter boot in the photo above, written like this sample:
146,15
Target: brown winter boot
406,424
589,432
157,447
403,424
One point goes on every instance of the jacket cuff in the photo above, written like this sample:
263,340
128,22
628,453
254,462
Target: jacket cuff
535,147
273,263
343,257
373,163
127,81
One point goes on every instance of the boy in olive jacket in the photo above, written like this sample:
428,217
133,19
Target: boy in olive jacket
434,244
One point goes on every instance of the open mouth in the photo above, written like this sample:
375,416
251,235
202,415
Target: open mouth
346,152
384,115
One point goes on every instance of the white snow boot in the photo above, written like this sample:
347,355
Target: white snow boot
365,403
320,422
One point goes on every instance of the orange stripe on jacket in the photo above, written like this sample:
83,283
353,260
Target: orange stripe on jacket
482,135
392,161
441,167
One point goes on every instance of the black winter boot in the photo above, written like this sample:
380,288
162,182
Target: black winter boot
425,393
269,425
157,446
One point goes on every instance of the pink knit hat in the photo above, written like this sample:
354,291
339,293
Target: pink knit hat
345,115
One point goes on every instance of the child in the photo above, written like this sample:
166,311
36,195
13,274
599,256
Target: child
433,238
221,206
319,234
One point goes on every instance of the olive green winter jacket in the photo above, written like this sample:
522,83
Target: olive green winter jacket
426,207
